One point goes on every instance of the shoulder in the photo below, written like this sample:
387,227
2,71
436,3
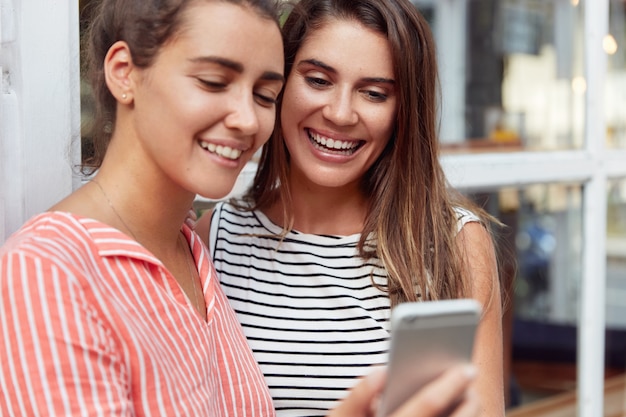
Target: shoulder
222,212
475,244
45,258
51,241
479,260
472,235
46,230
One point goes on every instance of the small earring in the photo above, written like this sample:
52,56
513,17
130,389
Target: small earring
124,96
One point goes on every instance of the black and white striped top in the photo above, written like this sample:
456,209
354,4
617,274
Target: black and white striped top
307,305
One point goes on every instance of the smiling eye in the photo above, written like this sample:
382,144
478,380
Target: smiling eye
375,96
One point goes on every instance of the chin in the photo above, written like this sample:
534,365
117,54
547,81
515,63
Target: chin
213,193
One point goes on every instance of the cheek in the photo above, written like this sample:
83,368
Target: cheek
384,123
287,117
295,103
266,126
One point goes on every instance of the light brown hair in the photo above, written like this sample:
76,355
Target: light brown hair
411,223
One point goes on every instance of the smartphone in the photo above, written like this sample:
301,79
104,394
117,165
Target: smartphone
427,338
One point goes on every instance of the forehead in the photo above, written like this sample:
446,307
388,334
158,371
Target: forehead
349,43
232,31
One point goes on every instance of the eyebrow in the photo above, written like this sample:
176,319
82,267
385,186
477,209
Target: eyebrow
236,66
328,68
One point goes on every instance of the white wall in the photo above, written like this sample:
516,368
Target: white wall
39,106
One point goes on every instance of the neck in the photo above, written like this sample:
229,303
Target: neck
152,213
324,210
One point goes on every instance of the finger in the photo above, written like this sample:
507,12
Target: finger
359,401
191,218
470,406
441,394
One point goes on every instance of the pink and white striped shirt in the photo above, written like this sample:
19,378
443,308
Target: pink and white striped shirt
91,323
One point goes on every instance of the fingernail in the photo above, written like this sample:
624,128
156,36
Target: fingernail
470,371
377,377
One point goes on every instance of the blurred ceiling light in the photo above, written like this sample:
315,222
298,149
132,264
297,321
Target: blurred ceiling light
575,2
579,85
610,44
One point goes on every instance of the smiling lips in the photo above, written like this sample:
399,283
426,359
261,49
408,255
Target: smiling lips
340,147
223,151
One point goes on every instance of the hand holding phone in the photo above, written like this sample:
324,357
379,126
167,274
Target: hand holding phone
427,338
430,401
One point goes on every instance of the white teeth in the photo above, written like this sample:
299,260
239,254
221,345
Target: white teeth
333,143
223,151
234,153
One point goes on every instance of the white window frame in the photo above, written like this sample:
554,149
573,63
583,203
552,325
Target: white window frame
593,166
40,138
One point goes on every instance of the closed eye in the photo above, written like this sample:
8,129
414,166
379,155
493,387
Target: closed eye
213,85
264,100
317,82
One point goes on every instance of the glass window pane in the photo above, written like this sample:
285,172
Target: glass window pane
615,102
615,341
540,249
511,73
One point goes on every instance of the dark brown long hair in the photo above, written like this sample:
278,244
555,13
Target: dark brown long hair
411,223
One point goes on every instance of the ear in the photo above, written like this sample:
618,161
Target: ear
118,66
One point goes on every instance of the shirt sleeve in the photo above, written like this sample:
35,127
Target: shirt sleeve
464,216
57,355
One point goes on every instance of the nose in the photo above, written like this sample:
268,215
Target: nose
242,114
340,110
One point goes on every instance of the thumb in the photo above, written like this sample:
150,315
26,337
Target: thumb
361,398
